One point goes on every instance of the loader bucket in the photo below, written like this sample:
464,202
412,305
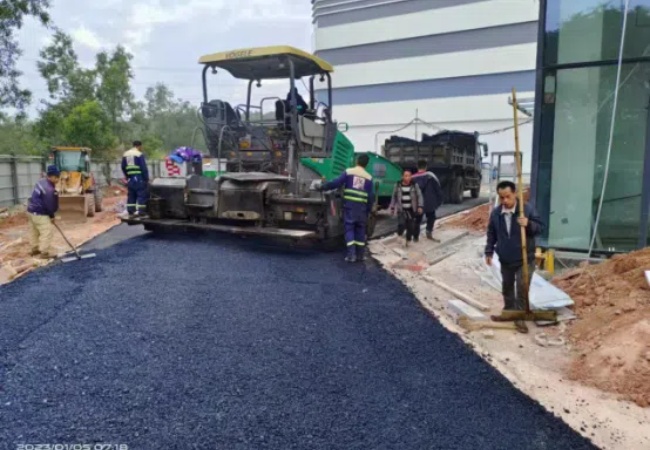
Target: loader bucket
74,208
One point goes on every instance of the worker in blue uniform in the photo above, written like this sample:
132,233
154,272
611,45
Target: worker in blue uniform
41,208
134,167
358,198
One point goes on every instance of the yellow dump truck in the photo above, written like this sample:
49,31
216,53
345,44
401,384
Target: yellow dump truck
79,194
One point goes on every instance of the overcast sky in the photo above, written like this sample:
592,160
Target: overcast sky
166,38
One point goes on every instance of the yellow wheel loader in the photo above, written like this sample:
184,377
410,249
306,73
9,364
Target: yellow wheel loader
79,194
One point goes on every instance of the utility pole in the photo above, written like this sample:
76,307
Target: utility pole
416,123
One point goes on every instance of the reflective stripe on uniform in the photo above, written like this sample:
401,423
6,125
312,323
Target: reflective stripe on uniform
360,244
355,196
133,170
356,192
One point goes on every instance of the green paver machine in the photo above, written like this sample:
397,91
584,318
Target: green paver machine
272,164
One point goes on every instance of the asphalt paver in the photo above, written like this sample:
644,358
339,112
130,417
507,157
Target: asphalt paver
196,342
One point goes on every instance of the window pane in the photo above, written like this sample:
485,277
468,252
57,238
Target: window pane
590,30
583,107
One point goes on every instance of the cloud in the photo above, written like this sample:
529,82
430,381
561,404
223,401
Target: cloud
166,38
88,38
223,15
148,15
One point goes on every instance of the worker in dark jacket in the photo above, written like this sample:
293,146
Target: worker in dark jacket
41,208
407,203
358,198
432,194
504,237
135,170
301,104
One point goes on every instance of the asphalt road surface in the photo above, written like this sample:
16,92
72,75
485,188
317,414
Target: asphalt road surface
195,342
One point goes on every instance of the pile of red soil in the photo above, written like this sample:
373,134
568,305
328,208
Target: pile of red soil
612,335
475,219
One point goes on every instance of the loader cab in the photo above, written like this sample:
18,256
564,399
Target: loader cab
79,194
74,165
71,159
273,135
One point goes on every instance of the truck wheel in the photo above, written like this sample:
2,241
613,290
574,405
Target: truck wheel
457,190
98,200
475,192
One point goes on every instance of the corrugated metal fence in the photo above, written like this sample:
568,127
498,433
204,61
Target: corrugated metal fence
18,174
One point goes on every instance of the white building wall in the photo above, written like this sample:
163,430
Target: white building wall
452,63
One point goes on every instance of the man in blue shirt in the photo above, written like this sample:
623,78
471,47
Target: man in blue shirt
135,170
358,198
41,208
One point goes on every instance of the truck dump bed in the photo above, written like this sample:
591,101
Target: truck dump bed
454,156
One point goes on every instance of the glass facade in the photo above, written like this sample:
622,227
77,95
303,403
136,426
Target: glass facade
576,87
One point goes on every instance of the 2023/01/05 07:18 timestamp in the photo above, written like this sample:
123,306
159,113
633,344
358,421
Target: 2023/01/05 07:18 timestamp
72,447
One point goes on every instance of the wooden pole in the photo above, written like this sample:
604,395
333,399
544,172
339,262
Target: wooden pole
520,194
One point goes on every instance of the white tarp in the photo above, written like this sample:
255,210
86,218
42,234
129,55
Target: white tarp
543,295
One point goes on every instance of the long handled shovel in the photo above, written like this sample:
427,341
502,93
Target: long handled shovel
527,314
77,256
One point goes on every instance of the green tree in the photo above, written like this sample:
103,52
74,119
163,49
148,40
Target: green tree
87,125
17,137
12,16
172,120
69,85
67,81
114,91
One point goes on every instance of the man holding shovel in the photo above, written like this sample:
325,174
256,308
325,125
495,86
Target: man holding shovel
43,204
504,237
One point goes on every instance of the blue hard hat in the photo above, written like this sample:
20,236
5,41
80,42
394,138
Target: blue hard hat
53,170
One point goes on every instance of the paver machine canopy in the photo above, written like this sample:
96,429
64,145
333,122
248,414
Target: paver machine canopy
79,195
271,136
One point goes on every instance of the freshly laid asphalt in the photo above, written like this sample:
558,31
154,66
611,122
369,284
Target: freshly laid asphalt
196,342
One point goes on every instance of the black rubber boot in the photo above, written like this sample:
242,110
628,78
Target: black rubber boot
351,258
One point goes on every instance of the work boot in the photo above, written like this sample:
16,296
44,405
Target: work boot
521,326
351,258
429,235
416,239
361,255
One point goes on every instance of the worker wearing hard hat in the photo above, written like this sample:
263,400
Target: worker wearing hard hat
358,198
135,170
42,206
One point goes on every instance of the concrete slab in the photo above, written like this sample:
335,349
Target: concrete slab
459,308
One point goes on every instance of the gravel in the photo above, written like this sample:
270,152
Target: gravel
195,342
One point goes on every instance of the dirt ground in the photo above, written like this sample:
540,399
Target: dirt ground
612,338
591,372
14,235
